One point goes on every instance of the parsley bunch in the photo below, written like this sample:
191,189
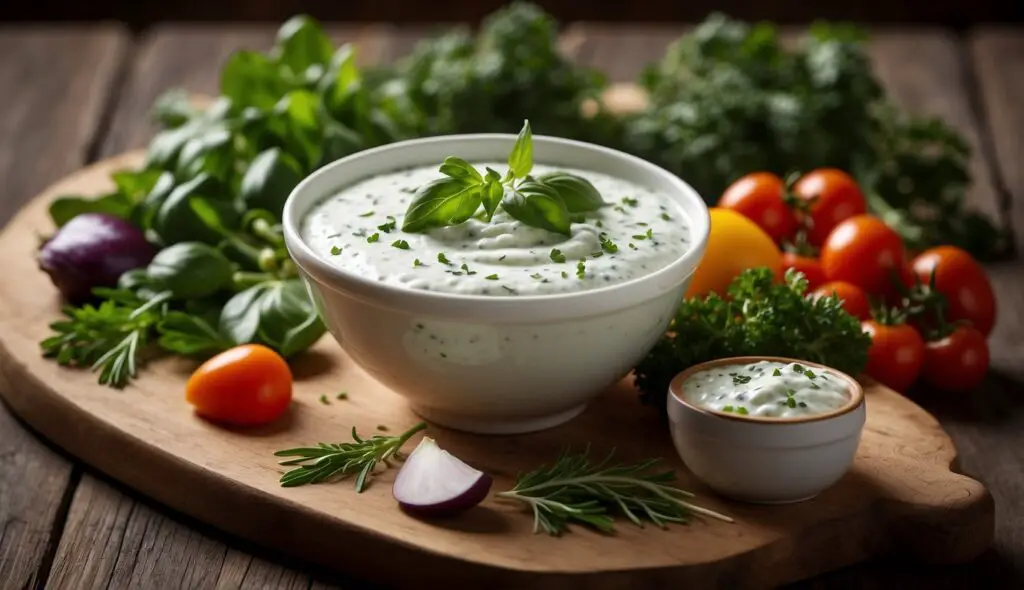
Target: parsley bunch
759,317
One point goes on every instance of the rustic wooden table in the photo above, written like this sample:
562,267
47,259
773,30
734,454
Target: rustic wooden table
72,95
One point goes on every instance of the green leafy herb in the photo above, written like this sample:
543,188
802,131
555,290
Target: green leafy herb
388,225
416,263
342,395
572,490
324,400
367,214
759,317
556,255
740,379
335,251
442,258
547,202
742,411
327,462
607,245
728,409
581,269
465,268
400,244
373,238
630,201
776,373
666,217
491,277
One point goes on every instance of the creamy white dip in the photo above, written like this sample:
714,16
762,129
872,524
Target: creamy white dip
358,229
767,389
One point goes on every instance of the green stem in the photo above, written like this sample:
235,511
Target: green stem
262,229
242,280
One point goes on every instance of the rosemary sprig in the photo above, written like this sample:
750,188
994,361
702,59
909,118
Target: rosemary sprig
573,490
340,460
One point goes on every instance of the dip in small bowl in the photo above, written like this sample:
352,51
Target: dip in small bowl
495,326
766,429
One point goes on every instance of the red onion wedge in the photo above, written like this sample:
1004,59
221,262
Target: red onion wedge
433,482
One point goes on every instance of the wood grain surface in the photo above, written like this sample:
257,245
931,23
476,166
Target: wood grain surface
55,91
155,547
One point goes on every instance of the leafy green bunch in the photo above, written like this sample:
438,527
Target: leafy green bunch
729,98
550,201
758,317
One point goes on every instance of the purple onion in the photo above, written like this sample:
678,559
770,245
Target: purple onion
433,482
93,250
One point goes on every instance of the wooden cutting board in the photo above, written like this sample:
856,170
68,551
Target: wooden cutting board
900,497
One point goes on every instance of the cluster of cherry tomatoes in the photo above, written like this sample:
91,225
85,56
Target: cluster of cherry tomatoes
928,313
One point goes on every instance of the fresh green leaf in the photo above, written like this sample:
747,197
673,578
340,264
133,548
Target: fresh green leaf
578,193
64,209
176,221
537,205
460,169
269,180
240,318
442,202
252,79
190,335
520,161
190,270
173,109
289,322
491,195
301,43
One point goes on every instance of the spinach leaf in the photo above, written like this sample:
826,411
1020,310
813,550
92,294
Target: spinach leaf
190,270
289,322
176,221
301,44
211,152
240,318
64,209
537,205
269,180
445,201
251,79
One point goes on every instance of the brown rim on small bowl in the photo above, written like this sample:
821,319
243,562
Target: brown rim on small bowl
675,389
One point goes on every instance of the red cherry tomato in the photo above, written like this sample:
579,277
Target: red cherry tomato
896,354
854,300
957,362
758,197
963,282
836,198
863,250
246,385
809,266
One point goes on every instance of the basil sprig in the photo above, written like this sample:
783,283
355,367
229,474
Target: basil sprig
551,201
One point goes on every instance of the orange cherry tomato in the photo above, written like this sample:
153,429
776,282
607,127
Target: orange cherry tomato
957,362
863,250
246,385
896,354
963,282
809,266
854,299
758,197
835,198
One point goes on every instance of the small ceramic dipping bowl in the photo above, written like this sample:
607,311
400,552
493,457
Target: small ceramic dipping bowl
767,460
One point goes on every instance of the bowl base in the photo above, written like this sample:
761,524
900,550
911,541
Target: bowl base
750,500
495,425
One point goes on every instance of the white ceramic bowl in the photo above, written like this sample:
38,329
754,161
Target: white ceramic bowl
766,460
523,363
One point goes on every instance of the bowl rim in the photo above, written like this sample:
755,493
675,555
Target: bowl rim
336,278
856,391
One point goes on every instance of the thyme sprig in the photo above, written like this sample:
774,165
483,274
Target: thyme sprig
340,460
572,490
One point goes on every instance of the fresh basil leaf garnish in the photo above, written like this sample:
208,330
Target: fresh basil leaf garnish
520,161
537,205
578,194
493,191
446,201
459,168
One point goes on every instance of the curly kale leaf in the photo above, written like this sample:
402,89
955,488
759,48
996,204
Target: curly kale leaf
759,317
